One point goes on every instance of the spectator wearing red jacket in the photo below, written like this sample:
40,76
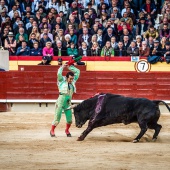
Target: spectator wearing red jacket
121,24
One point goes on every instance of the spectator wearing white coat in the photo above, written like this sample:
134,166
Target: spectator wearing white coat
53,4
62,5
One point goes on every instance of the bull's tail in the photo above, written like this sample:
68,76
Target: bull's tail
160,101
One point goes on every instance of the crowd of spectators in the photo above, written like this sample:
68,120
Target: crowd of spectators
85,28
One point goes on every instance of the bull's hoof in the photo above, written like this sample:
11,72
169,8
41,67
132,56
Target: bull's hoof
80,139
124,122
135,140
154,139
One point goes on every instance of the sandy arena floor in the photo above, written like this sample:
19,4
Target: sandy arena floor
25,143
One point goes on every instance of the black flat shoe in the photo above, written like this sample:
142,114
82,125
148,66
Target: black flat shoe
52,135
68,135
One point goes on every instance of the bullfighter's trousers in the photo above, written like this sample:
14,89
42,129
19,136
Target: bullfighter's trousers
62,103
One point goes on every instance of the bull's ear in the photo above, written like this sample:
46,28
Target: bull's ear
71,107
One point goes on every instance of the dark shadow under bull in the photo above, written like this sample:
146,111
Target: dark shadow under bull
106,109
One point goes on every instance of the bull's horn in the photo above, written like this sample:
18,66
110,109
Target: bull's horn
71,107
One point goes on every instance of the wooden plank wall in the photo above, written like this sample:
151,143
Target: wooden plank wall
41,84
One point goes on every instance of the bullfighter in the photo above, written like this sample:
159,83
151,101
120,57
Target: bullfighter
66,86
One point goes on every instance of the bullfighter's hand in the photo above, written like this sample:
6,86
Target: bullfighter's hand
65,65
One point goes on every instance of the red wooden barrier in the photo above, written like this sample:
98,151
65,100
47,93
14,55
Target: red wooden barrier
42,84
3,87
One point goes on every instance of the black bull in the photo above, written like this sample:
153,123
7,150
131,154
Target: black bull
106,109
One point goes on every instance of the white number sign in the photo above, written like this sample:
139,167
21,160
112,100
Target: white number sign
142,66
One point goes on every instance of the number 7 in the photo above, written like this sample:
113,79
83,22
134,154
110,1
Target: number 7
143,65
